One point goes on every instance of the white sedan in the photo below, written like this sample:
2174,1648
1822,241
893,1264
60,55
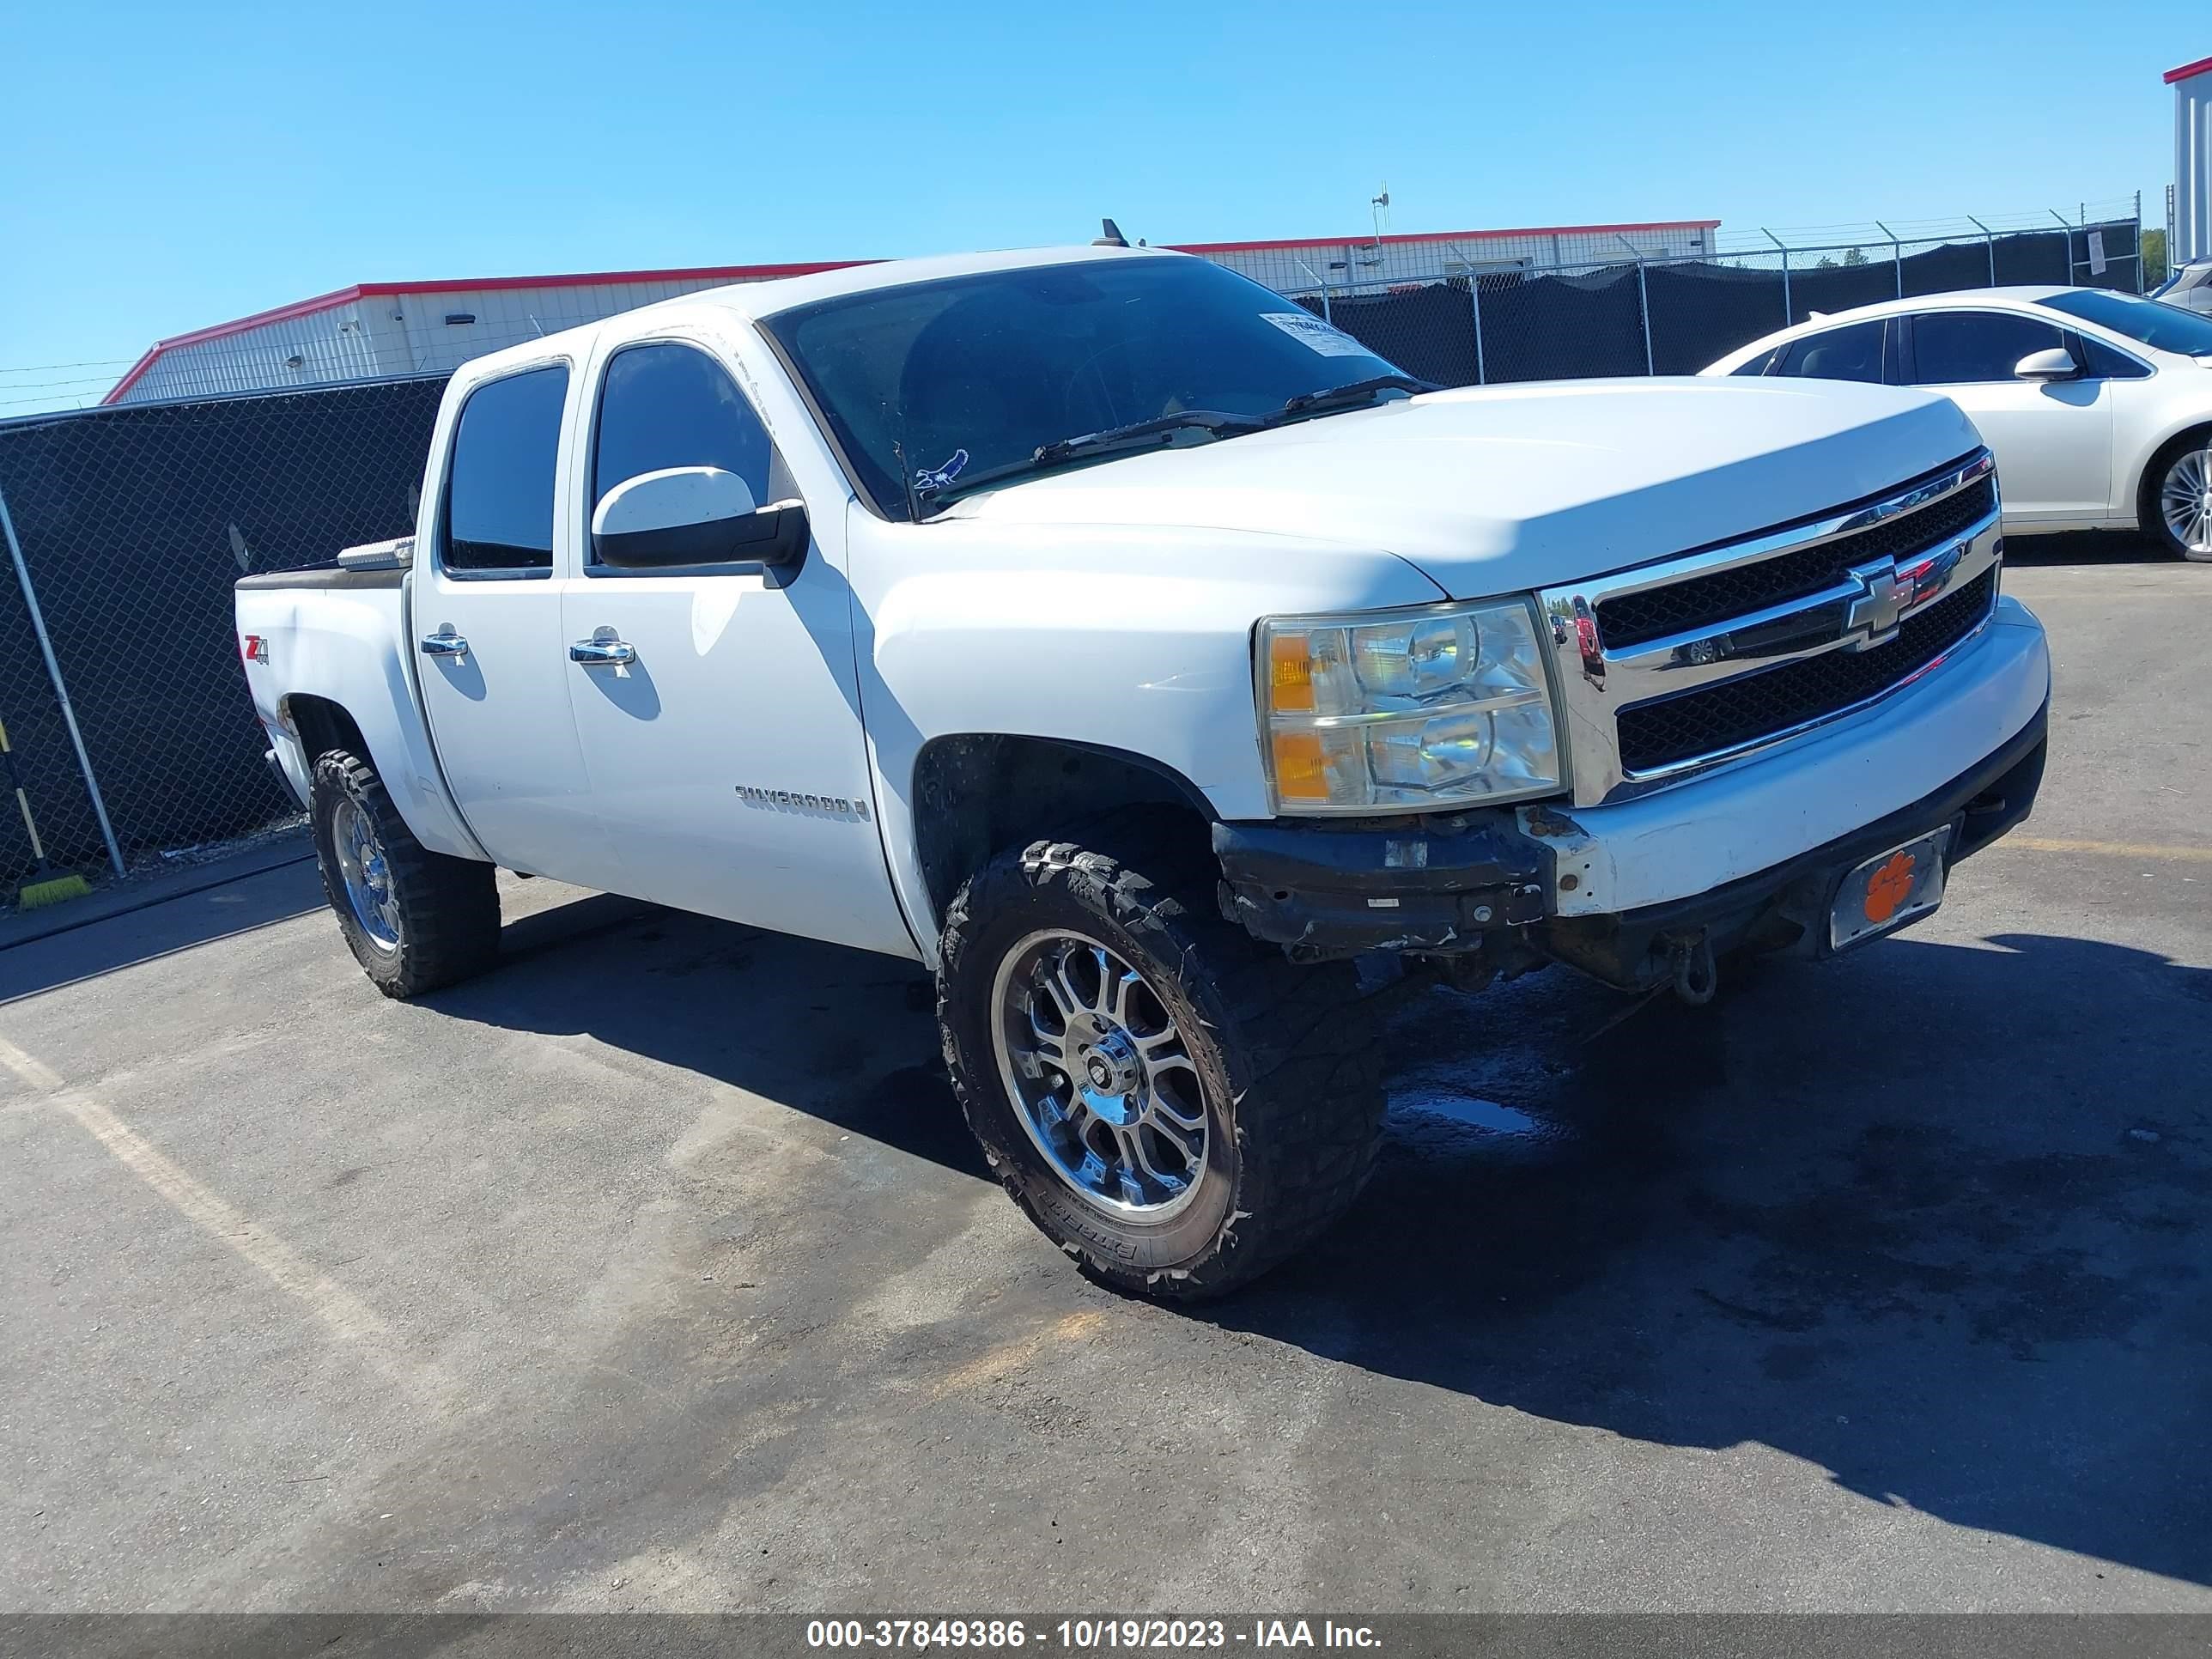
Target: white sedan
2098,405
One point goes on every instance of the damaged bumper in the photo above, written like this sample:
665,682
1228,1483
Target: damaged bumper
1435,886
1479,884
1630,892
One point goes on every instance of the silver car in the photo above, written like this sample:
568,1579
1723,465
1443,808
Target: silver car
2189,287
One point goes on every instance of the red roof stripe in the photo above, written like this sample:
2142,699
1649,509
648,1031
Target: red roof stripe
216,330
2186,70
462,285
1368,240
137,371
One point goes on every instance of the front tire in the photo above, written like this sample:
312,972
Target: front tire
1175,1105
417,920
2176,508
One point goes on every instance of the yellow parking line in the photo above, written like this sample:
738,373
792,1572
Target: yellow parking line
2118,849
341,1313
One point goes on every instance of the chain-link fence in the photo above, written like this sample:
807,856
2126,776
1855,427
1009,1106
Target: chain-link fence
1649,316
128,524
132,524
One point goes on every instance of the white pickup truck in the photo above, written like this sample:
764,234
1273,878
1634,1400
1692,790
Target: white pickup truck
1138,651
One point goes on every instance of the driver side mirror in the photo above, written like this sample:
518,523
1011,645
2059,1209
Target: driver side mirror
2053,363
694,515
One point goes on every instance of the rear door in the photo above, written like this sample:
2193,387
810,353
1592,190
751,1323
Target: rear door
1854,351
727,757
486,624
2052,439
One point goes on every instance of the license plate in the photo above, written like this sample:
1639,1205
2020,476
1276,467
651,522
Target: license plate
1889,890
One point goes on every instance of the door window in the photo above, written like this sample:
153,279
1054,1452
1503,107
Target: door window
1957,347
499,491
666,404
1850,353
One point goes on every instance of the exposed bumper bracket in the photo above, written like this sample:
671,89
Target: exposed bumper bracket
1434,886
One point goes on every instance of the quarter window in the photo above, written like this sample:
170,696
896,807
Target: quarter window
666,404
2107,363
499,498
1850,353
1957,347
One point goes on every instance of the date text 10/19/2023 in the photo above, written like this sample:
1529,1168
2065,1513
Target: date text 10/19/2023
1085,1635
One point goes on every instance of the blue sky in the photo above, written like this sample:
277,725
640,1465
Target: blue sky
171,166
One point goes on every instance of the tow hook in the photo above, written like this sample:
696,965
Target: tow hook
1696,975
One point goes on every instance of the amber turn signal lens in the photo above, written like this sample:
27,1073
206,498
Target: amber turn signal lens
1299,772
1290,675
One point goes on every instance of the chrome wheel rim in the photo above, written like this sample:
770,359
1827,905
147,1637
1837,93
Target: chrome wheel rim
2184,499
1099,1076
365,874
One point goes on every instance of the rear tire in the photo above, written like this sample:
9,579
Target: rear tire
1269,1103
2166,485
415,920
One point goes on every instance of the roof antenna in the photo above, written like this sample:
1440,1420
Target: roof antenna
1113,238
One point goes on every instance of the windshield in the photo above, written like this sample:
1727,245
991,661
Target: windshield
2164,327
971,373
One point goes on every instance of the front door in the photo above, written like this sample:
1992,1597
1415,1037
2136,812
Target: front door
726,755
485,624
2052,439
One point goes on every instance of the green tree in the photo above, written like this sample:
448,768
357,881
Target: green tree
1854,256
2154,258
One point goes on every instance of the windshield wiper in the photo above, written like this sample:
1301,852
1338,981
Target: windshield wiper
1133,436
1156,433
1349,396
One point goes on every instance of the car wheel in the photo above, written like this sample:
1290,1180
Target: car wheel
415,920
1175,1106
2176,510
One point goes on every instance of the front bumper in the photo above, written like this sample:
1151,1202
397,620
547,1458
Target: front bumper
1787,908
1754,855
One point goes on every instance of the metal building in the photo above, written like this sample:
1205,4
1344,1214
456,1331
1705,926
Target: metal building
385,331
2192,162
1369,263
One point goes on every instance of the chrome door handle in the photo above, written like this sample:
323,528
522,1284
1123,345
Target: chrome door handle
597,652
445,643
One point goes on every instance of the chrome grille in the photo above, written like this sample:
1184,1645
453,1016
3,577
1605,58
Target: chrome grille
1699,660
1636,618
1656,734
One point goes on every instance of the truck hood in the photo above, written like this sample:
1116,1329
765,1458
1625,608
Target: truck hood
1490,489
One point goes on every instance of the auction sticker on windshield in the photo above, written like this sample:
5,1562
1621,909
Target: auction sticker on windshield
1309,329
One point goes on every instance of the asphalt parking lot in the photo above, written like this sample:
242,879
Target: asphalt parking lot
656,1271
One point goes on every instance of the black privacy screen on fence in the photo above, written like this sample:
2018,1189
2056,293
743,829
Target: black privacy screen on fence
1563,325
134,523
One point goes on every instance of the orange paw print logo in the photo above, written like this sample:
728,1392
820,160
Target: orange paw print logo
1889,887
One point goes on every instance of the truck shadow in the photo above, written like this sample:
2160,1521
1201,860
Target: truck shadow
845,1036
1932,1219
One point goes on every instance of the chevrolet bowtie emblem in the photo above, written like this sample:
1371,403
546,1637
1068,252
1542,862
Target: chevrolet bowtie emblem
1881,600
1888,590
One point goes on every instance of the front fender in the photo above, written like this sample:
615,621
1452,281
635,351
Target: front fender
1136,640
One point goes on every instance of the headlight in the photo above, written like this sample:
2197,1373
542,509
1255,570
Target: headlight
1407,710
